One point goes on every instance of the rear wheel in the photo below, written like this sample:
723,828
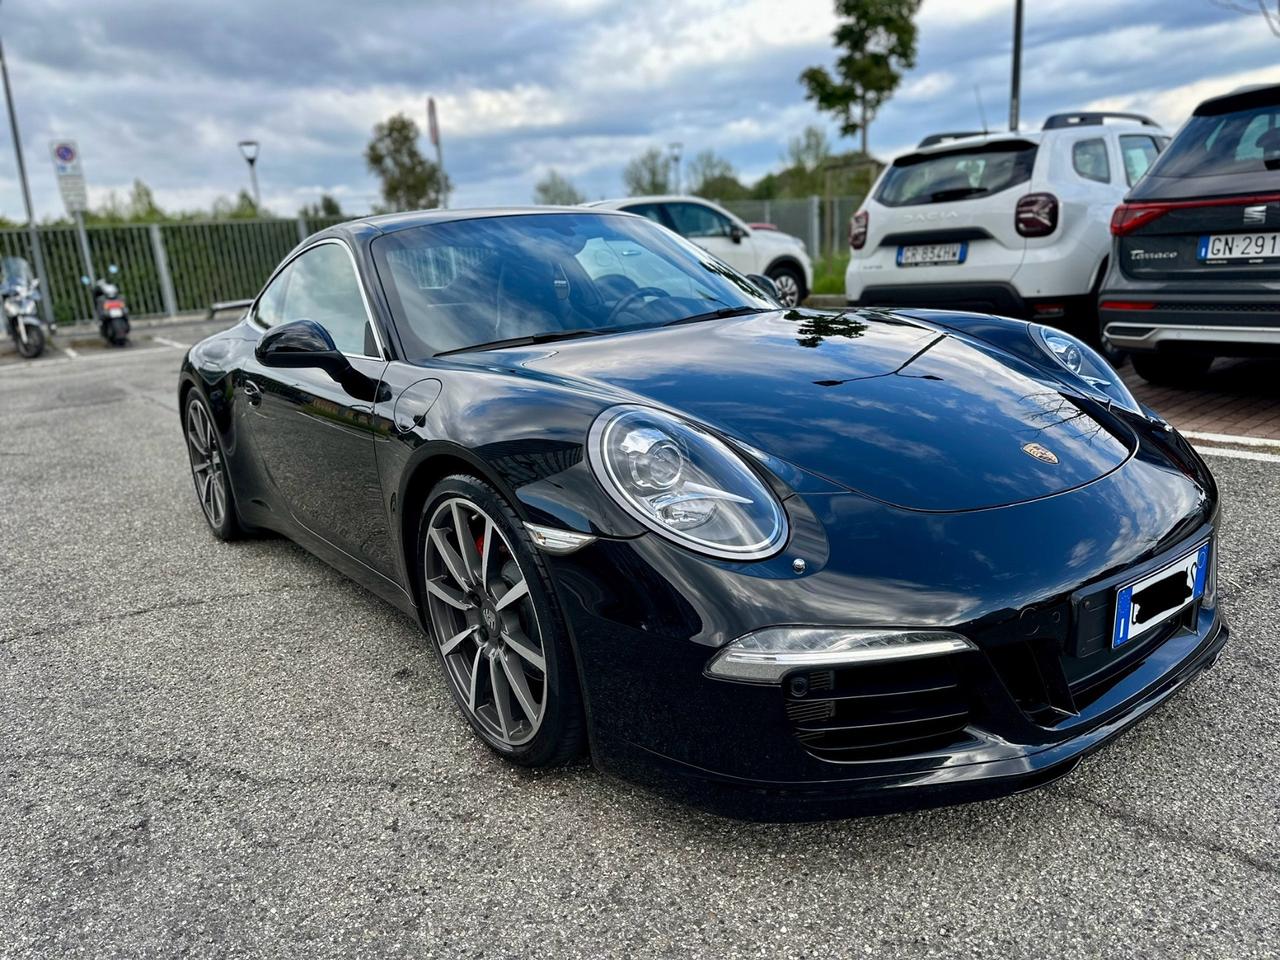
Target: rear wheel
1171,369
118,331
790,284
33,346
496,626
209,469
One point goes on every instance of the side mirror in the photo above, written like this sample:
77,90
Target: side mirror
736,233
112,268
84,280
301,344
767,285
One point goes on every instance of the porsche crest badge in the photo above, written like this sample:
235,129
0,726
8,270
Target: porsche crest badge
1043,454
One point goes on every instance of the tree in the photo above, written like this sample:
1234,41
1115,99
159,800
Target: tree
712,176
409,180
648,173
556,190
808,151
878,41
142,204
326,206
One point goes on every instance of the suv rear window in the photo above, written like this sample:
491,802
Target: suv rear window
1244,141
957,174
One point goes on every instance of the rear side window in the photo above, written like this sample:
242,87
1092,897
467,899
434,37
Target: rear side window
1089,158
695,220
1138,152
920,178
1241,142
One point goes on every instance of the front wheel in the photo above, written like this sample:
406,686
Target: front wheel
496,626
1171,369
33,345
790,284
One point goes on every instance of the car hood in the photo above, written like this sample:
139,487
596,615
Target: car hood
871,401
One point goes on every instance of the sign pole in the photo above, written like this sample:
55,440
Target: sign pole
46,300
84,245
433,128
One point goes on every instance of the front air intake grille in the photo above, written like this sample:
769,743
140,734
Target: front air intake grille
876,711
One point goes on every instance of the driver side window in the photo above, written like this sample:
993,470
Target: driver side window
322,286
695,220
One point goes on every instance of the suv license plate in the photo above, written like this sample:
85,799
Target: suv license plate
1155,598
1239,246
931,254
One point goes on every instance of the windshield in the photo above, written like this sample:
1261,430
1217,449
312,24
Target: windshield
15,270
957,174
466,283
1246,141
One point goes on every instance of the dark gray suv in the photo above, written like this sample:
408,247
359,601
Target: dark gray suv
1195,261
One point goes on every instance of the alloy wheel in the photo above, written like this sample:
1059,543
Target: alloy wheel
485,623
208,467
788,289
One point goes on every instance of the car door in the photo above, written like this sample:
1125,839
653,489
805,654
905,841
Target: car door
314,435
713,231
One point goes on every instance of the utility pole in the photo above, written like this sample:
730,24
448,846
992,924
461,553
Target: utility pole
249,150
1015,87
46,301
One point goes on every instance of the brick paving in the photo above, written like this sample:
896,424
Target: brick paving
1239,397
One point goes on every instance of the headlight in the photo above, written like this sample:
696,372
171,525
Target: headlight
1085,364
684,483
767,655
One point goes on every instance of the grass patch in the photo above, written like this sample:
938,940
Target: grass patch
828,273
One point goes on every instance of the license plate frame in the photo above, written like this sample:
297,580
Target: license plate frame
1125,626
933,254
1258,247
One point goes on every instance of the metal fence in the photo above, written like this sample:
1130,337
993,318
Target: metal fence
165,268
821,222
168,268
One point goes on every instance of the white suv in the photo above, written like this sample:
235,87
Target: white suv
1016,224
778,256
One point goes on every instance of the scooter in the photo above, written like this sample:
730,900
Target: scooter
18,288
110,309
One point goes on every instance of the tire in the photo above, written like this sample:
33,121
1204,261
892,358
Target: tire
118,331
1171,370
790,284
34,345
209,469
507,662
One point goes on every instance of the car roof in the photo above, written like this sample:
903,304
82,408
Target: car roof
954,142
395,222
617,202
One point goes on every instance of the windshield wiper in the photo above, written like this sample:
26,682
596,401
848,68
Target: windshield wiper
717,315
549,337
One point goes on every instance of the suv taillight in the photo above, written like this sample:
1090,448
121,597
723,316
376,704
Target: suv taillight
1128,217
858,230
1037,215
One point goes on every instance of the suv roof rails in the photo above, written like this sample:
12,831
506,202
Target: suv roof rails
1092,118
934,139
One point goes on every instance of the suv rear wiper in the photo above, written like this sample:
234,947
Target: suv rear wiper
549,337
717,315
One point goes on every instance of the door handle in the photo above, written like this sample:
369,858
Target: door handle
253,392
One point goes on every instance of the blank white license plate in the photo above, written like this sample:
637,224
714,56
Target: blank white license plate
115,312
930,254
1239,246
1155,598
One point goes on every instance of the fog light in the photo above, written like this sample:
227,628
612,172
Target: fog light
765,656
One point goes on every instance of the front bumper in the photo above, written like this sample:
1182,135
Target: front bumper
1031,585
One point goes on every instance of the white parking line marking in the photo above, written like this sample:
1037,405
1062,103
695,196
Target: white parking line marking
170,343
1232,439
71,352
1239,454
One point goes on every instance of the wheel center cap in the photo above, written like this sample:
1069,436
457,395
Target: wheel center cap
489,617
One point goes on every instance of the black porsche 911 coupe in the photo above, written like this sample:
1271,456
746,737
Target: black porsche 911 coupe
783,563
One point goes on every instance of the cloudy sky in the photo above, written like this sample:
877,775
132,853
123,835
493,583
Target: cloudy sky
163,90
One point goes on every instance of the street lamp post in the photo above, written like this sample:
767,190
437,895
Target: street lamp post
249,150
32,233
1015,85
675,166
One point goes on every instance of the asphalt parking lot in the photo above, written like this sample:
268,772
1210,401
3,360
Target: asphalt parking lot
230,750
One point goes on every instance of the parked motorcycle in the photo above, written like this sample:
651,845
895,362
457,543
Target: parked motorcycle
18,289
110,309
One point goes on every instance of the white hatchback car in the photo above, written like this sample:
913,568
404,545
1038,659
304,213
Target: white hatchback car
1016,224
779,256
